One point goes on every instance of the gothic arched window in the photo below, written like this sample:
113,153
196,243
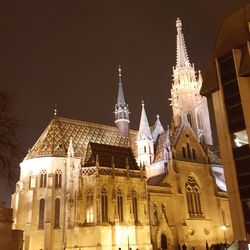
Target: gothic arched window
164,213
120,205
89,206
43,179
41,213
189,118
188,150
104,205
58,179
134,205
199,122
193,197
194,156
30,180
57,213
156,222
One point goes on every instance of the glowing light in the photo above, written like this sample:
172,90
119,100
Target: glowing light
223,228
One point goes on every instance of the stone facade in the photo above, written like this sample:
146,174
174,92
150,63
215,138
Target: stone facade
91,186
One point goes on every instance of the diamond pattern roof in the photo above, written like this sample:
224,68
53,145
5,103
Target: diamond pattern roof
54,141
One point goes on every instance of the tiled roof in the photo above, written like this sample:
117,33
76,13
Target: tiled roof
109,156
54,141
156,180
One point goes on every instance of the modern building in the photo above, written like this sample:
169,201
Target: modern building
91,186
227,82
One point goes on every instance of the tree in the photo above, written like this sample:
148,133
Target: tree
9,152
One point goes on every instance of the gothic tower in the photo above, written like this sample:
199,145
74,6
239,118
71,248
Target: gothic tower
145,143
121,110
185,93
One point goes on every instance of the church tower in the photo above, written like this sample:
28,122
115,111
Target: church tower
121,110
145,143
185,93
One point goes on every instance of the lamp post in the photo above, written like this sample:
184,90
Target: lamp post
224,228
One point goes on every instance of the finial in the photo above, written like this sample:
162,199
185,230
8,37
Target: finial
158,117
55,110
120,73
142,103
178,24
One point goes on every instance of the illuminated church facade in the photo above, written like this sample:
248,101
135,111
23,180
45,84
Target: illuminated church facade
92,186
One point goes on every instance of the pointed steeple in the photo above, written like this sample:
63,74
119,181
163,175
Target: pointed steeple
158,129
185,92
144,130
182,56
120,98
121,109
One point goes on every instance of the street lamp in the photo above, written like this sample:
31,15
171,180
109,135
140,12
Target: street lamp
224,228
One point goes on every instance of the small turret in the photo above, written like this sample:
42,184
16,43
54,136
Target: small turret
145,143
121,110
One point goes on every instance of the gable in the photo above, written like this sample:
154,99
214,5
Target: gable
188,148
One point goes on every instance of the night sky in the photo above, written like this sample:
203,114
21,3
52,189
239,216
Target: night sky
68,52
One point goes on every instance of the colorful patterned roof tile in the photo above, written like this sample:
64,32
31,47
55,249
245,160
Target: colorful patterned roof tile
55,139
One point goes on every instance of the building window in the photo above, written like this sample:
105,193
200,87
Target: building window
183,152
164,213
134,205
30,180
57,213
43,179
120,205
41,214
189,118
145,149
193,198
58,179
199,122
104,205
188,150
156,222
89,206
193,152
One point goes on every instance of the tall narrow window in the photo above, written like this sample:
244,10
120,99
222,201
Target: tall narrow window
199,122
58,179
183,152
120,205
164,213
104,205
41,214
193,151
30,179
89,206
193,198
134,205
57,213
43,179
188,150
189,118
156,222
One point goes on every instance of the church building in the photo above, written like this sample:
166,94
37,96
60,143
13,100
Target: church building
90,186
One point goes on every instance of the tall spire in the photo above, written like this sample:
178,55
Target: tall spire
121,109
185,92
120,98
182,56
144,130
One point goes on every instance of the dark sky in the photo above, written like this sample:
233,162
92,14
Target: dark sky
68,52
